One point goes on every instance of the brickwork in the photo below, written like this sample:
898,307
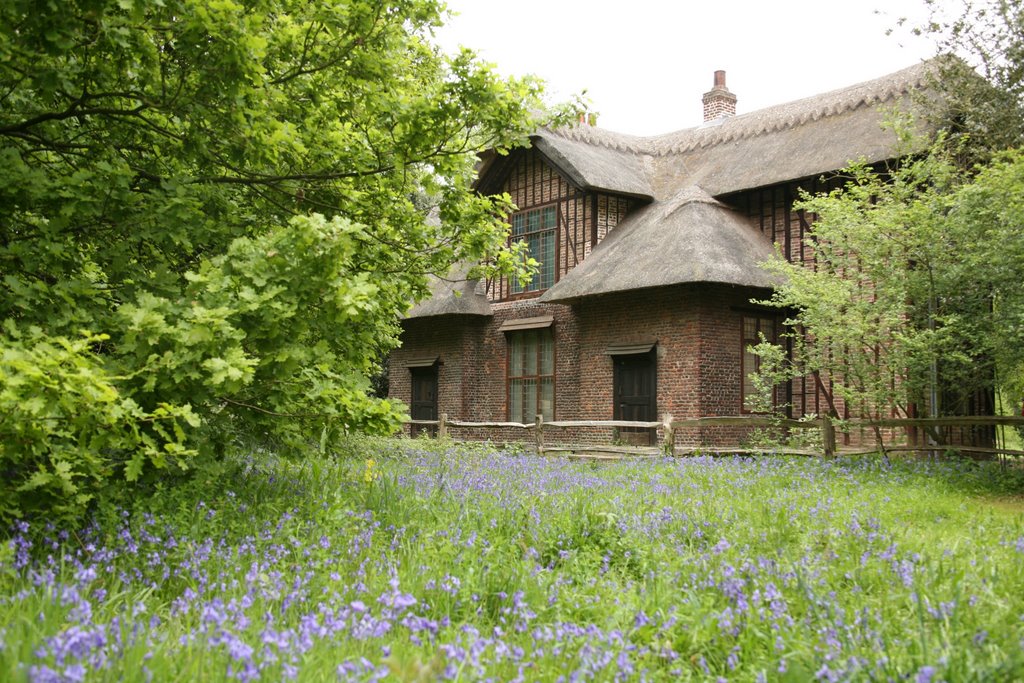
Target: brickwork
718,103
697,329
610,211
428,339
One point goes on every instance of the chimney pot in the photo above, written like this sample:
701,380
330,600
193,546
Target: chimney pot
720,79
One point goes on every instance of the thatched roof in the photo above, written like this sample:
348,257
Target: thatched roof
597,167
691,237
453,295
796,140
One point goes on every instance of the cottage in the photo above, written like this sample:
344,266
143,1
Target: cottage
651,251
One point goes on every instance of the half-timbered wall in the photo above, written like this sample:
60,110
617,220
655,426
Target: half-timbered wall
583,218
610,212
771,210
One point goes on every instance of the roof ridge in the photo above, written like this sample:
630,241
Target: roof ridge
799,112
770,119
601,137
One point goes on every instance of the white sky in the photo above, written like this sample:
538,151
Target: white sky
646,63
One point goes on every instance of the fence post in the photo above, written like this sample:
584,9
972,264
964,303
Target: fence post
669,446
828,435
442,426
538,429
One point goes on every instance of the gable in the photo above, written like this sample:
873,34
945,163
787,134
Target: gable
581,217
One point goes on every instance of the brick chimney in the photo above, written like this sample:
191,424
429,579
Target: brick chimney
719,102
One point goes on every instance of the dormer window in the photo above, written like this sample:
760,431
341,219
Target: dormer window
537,227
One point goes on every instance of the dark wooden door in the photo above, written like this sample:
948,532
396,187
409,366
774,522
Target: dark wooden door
635,392
424,397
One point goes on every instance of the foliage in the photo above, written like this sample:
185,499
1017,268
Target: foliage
915,297
474,565
212,214
66,428
773,369
916,285
987,38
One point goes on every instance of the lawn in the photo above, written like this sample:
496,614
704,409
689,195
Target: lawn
405,561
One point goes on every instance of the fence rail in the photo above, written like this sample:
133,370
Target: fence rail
825,424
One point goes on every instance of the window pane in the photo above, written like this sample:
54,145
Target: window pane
533,221
547,354
529,354
518,224
547,398
515,400
749,329
516,363
537,253
549,218
546,276
529,400
749,368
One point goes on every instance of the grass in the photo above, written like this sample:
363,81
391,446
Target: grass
415,563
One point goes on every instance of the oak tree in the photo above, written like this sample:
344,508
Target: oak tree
212,216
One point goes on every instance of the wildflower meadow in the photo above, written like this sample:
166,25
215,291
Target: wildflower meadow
413,561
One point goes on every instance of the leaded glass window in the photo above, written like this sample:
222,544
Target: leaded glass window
537,228
531,375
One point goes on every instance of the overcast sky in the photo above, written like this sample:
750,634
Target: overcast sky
646,63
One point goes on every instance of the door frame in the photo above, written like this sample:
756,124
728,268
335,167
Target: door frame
641,436
429,374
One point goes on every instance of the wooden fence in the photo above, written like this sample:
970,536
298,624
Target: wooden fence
932,429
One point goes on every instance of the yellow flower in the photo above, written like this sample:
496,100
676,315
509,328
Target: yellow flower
371,473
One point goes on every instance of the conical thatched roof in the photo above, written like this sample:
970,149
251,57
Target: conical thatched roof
690,238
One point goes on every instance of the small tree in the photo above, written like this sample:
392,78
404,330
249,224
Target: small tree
915,295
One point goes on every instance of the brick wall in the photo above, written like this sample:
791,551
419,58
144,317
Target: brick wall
442,337
697,329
